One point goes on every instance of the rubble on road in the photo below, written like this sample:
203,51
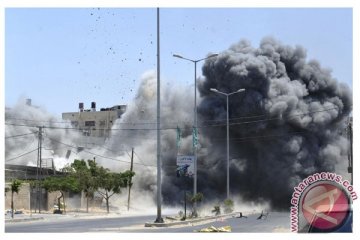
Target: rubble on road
214,229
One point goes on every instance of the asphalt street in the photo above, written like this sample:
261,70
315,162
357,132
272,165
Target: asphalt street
275,222
76,225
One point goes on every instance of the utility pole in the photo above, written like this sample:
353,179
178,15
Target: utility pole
131,169
185,204
159,218
39,169
350,154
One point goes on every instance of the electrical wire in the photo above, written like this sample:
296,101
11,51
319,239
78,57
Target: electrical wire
269,119
21,155
21,135
98,155
32,120
174,128
142,160
247,139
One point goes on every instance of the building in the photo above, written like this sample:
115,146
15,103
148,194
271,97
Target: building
94,123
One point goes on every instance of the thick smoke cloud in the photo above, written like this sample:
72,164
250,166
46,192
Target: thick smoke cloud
285,126
21,136
138,126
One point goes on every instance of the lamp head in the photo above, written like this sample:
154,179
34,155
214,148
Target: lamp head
178,56
213,55
240,90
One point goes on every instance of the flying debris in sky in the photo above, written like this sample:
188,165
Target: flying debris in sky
284,127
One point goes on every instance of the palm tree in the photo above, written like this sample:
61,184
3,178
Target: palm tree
15,187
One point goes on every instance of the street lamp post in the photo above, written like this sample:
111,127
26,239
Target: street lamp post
159,218
227,136
195,114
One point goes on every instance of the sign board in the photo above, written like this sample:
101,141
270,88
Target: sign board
185,166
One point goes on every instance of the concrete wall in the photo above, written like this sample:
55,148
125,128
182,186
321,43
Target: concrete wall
26,195
21,200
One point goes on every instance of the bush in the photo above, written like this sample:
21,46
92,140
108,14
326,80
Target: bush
216,210
228,206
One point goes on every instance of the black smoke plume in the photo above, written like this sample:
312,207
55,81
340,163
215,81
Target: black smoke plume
284,127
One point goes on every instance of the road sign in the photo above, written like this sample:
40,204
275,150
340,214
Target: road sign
185,166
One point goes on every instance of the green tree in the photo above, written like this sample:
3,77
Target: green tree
216,210
62,184
87,182
6,190
15,187
110,183
228,206
198,197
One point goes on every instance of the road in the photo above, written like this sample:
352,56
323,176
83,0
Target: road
77,225
135,224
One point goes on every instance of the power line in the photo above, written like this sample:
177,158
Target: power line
269,119
19,125
118,160
21,155
232,119
33,120
21,135
69,122
142,160
78,129
98,155
247,139
174,128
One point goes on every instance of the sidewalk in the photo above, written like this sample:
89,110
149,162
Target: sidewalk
26,217
168,223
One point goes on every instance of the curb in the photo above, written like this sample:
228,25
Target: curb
169,224
23,219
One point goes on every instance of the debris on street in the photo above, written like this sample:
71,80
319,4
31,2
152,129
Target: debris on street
215,229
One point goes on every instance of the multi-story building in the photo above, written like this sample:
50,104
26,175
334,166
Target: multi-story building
95,123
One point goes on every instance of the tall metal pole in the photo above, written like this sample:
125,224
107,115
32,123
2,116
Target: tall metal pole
195,143
130,183
39,171
227,149
350,154
159,200
227,137
195,117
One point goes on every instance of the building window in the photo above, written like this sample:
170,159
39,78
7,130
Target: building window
89,123
102,123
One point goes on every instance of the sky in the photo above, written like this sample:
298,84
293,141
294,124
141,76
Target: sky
59,57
